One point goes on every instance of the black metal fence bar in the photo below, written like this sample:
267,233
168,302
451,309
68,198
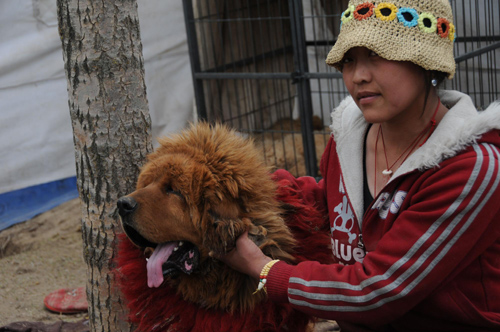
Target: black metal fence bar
304,88
194,57
235,76
475,53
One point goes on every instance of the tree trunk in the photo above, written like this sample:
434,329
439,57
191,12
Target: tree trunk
111,126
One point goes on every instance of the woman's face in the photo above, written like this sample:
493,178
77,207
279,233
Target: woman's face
384,90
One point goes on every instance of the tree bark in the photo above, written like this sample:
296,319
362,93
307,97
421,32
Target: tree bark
111,125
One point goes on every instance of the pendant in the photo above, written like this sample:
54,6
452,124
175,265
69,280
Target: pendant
387,172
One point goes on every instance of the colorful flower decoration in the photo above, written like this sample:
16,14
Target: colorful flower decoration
348,14
363,11
443,26
408,16
386,11
452,34
427,22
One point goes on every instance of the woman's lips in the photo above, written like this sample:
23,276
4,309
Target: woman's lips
367,98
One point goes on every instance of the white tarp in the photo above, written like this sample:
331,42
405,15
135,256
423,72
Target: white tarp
36,140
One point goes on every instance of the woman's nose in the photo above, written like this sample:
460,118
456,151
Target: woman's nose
361,73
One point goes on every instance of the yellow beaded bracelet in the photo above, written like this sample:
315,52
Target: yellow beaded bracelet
263,275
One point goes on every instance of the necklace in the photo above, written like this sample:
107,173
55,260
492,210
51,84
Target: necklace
407,152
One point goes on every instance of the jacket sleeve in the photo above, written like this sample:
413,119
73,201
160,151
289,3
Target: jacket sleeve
449,221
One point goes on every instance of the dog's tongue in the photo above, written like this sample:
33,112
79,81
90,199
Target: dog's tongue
155,262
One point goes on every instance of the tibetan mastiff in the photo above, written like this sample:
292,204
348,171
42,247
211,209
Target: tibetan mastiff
197,193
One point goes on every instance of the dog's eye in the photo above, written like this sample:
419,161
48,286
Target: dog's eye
169,191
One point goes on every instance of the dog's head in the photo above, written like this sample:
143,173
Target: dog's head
197,193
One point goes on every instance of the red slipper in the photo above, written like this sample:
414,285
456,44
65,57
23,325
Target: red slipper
67,301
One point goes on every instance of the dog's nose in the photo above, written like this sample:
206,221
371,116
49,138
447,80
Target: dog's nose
126,205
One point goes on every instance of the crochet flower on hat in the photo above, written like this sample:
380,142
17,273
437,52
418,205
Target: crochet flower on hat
363,11
408,16
386,11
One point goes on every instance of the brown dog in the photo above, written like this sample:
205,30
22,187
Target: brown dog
198,192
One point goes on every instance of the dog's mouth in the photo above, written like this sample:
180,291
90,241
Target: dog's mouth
168,259
171,258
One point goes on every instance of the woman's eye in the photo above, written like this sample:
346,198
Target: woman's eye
373,53
346,60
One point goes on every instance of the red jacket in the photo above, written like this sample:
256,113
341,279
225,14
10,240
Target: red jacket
426,254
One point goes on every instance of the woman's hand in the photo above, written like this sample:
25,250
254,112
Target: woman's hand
246,258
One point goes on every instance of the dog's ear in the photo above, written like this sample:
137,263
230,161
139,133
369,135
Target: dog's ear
231,185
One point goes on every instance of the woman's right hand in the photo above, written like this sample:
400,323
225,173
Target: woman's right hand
246,258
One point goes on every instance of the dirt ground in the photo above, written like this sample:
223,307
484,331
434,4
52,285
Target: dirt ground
37,257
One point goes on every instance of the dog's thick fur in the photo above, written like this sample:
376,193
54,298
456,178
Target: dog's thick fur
206,186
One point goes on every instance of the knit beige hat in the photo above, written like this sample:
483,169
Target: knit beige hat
420,31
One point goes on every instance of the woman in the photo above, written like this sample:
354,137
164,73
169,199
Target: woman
411,186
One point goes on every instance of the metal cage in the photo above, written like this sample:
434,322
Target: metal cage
258,66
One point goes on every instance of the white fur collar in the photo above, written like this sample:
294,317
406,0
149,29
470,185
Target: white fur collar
460,127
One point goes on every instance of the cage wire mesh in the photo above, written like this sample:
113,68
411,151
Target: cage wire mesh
259,66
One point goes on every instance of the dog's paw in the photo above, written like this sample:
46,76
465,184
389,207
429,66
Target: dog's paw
221,238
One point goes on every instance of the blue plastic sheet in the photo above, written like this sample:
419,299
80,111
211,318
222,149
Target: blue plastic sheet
23,204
